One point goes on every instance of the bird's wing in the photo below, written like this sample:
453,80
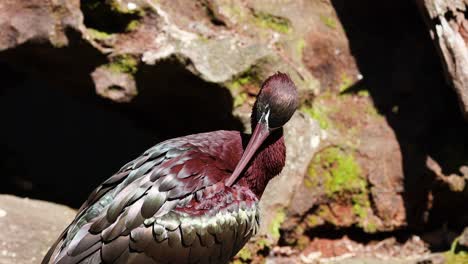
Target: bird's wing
144,191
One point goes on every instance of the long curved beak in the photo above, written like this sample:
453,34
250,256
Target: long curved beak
259,135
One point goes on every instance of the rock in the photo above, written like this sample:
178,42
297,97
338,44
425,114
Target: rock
449,30
219,41
463,240
345,251
23,21
356,177
302,137
115,85
456,183
29,227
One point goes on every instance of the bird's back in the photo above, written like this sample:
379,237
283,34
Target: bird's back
167,206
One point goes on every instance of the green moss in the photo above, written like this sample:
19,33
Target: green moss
370,227
263,243
343,173
249,77
323,211
300,46
360,211
116,7
96,34
203,39
338,170
372,111
303,242
252,251
244,254
460,257
237,83
363,93
124,63
328,21
318,114
313,220
346,83
132,25
455,256
270,21
240,99
275,224
361,207
312,179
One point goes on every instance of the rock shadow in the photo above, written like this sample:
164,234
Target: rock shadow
403,75
175,102
59,139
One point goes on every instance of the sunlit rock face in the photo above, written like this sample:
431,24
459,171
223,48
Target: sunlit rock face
27,236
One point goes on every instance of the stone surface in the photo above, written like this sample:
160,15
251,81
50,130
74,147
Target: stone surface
217,40
117,86
463,240
302,136
29,227
356,176
35,21
455,182
345,251
449,29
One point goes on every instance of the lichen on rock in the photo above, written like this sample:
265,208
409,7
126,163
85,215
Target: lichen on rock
338,172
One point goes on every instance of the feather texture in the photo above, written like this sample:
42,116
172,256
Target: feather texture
148,210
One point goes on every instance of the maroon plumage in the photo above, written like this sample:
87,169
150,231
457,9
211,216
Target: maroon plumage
191,199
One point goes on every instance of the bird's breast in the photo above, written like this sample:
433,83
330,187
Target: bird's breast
219,198
203,238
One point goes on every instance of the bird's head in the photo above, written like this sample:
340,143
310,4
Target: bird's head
276,102
275,105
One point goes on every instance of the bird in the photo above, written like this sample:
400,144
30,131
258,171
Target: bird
191,199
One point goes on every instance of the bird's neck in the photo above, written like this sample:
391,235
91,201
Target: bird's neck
267,163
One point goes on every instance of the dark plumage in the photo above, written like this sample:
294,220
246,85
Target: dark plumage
191,199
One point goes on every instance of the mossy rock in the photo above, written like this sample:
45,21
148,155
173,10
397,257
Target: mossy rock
337,171
455,255
124,64
277,23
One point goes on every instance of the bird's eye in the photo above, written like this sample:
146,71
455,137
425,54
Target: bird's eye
271,120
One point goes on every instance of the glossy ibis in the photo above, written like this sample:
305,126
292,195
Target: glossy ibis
191,199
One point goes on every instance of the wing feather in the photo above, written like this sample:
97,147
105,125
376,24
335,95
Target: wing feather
153,201
114,249
131,211
82,241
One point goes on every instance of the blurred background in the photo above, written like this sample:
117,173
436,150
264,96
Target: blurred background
377,158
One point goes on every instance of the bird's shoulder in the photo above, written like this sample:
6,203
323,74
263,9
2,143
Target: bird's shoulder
168,165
